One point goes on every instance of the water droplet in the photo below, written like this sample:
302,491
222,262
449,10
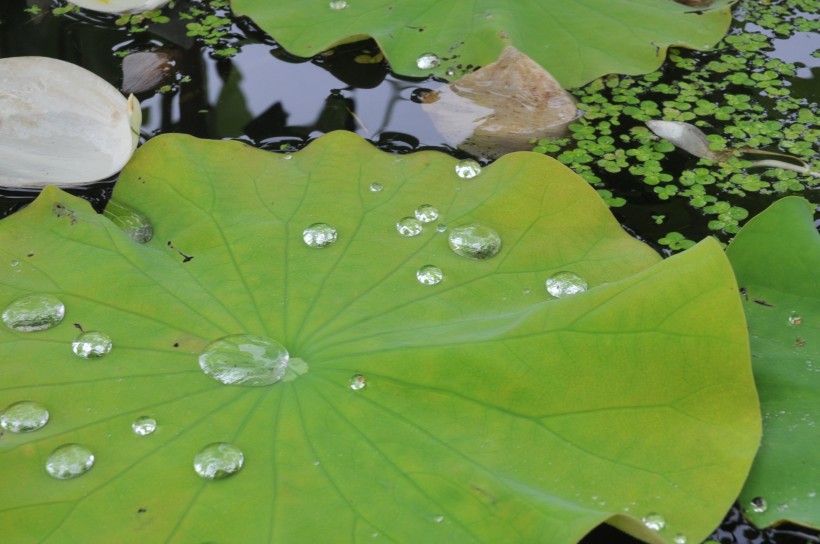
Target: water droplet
441,227
782,507
244,359
69,461
450,72
24,416
758,505
565,283
376,187
144,425
426,213
338,4
468,168
319,235
475,241
429,275
679,538
15,263
428,61
91,345
358,382
409,226
218,460
438,519
130,221
34,312
795,319
287,156
654,521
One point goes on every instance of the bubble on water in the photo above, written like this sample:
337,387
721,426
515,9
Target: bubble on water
428,61
426,213
409,226
376,187
566,283
218,460
654,521
130,221
679,538
475,241
429,275
358,382
319,235
91,345
69,461
795,319
338,4
24,416
758,505
245,359
34,312
468,168
144,425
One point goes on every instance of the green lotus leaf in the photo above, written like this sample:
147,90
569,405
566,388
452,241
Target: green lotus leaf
776,257
576,41
491,411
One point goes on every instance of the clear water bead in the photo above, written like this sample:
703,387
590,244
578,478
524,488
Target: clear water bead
468,168
426,213
679,538
358,382
429,275
130,221
91,345
409,226
144,425
654,521
34,312
338,4
565,283
441,227
376,187
795,319
319,235
475,241
218,460
244,359
24,416
758,505
428,61
69,461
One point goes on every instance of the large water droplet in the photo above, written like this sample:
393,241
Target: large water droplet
144,425
429,275
358,382
338,4
654,521
376,187
24,416
69,461
565,283
218,460
428,61
475,241
244,359
130,221
319,235
91,345
758,505
409,226
426,213
468,168
34,312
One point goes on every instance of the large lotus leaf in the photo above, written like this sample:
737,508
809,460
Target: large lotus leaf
776,257
576,41
492,412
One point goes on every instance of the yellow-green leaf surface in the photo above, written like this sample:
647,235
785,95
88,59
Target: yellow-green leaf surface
492,412
576,41
776,257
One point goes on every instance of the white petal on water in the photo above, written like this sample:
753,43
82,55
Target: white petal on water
120,6
685,136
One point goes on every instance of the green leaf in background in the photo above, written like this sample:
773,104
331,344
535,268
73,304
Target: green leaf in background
776,257
477,409
576,41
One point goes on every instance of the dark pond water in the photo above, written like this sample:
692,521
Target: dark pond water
266,97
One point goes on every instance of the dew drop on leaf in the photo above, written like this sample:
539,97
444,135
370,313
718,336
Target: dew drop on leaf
654,521
144,425
428,61
34,312
429,275
24,416
218,460
376,187
338,4
133,223
795,319
475,241
319,235
565,283
468,168
358,382
245,359
91,345
426,213
441,227
679,538
69,461
408,226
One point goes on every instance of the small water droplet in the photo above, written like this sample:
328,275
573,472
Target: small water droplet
429,275
34,312
758,505
654,522
450,72
91,345
475,241
358,382
144,425
438,519
565,283
338,4
244,359
428,61
679,538
409,226
15,263
468,168
24,416
218,460
287,156
319,235
795,319
426,213
376,187
130,221
782,507
441,227
69,461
